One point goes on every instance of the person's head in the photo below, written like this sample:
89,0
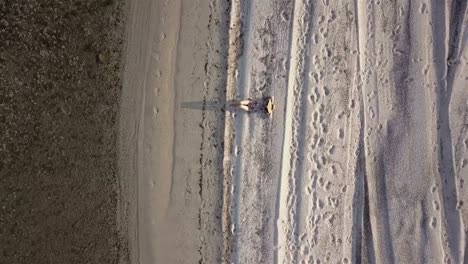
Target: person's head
270,106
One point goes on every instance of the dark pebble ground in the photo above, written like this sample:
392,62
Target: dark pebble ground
60,83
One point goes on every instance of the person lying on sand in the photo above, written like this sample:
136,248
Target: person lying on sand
249,105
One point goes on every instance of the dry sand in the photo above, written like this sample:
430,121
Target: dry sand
363,161
172,129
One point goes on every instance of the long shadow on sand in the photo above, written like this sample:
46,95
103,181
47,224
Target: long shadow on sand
219,106
204,105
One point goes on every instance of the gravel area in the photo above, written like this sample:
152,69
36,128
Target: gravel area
60,85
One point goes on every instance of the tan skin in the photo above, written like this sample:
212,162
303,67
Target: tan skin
249,105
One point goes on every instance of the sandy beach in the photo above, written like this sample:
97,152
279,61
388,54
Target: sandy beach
120,142
364,158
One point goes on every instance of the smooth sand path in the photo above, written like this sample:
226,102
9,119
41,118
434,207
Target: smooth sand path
172,129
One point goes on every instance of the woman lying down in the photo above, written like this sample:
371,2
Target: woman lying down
256,105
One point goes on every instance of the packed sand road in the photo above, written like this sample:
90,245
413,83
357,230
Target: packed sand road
363,160
172,133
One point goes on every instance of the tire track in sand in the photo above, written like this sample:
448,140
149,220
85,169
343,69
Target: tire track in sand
259,73
328,211
288,182
235,49
373,165
316,197
257,69
447,33
403,85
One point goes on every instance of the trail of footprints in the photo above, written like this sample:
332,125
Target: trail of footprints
316,177
322,187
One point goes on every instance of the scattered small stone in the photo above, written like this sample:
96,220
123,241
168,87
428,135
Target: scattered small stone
102,58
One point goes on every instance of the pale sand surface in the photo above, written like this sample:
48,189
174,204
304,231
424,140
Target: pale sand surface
172,129
363,161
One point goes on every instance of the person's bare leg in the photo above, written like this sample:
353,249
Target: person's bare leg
244,102
244,107
235,103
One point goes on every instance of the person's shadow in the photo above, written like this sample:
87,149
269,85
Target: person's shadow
220,106
207,105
